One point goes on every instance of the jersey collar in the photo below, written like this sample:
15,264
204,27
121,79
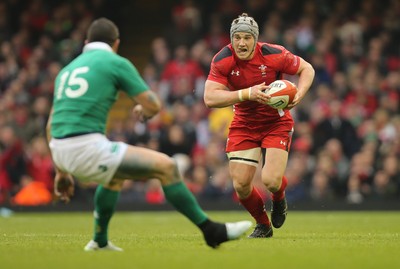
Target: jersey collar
97,46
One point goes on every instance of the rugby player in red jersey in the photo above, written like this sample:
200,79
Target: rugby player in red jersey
239,74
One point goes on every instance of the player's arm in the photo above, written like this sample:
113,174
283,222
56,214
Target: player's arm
306,75
147,105
218,95
63,182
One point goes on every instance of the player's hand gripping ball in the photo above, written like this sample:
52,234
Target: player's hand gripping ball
282,93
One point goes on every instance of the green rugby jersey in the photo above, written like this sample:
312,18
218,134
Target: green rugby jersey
86,89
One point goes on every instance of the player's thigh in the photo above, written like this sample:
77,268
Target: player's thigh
275,165
141,164
242,174
243,165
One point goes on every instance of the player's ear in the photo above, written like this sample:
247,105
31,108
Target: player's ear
115,46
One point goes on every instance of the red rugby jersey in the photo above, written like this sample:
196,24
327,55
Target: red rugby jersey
269,63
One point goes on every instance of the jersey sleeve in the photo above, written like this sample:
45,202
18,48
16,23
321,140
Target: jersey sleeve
216,74
129,79
291,62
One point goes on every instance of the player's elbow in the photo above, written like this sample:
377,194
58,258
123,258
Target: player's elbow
308,69
207,102
215,95
209,99
210,102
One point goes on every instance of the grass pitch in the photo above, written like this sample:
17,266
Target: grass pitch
167,240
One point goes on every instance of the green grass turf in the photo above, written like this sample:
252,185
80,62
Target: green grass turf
167,240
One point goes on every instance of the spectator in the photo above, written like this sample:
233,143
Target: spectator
198,180
173,140
216,37
154,193
186,24
37,118
321,189
219,186
39,163
383,186
336,126
182,79
362,171
298,172
12,162
160,55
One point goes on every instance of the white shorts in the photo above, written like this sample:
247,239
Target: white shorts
89,158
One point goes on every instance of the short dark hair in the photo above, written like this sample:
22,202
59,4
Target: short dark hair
103,30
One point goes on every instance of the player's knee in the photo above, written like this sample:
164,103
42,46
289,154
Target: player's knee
115,185
242,182
169,171
242,188
272,183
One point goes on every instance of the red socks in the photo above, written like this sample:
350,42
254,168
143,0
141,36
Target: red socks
280,194
255,205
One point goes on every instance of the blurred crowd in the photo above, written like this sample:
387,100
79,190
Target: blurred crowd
346,145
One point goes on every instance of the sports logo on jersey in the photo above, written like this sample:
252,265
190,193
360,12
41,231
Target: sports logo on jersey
237,73
263,70
114,148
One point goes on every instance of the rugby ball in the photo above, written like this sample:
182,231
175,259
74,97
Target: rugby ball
282,93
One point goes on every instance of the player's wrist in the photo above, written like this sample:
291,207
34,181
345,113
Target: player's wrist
240,95
244,94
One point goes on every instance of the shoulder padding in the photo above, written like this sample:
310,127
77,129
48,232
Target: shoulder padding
267,50
224,53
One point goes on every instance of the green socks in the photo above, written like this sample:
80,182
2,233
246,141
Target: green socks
183,200
104,202
177,194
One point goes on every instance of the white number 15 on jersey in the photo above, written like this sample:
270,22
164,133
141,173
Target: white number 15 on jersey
72,80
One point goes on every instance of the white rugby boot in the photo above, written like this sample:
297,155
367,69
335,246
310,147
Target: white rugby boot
93,246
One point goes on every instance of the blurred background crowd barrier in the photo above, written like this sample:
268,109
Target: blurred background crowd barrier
346,144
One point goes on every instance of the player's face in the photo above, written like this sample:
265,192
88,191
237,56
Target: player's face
243,44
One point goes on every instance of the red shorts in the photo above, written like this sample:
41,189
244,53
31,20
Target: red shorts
276,135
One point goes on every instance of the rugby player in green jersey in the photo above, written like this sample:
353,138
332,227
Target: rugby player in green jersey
84,92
